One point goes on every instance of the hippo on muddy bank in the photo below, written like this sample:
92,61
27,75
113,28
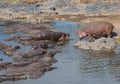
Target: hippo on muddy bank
96,30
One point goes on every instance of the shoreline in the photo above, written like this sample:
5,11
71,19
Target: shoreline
74,11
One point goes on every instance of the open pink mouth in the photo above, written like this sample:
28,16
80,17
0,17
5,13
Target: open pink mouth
80,36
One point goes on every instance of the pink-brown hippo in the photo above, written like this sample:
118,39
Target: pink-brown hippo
96,30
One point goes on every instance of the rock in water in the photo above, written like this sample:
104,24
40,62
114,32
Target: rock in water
99,44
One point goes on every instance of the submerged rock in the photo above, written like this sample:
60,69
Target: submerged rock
99,44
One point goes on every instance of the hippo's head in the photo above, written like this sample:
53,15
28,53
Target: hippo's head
81,33
64,36
44,45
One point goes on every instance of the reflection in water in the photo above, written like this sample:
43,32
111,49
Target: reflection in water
100,64
77,66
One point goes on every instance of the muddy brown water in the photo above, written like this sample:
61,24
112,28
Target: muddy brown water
77,66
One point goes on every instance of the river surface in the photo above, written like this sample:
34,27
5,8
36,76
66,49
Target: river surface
77,66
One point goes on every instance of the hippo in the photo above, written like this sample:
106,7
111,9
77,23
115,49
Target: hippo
51,35
96,30
42,45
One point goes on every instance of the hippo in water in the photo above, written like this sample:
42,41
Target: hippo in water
51,35
96,30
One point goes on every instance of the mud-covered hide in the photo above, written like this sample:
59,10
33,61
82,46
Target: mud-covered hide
37,52
33,69
9,50
26,68
4,64
48,34
4,46
96,30
43,43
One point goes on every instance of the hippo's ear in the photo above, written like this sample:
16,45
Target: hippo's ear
67,34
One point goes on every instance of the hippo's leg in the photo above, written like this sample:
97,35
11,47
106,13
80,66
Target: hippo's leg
80,39
109,35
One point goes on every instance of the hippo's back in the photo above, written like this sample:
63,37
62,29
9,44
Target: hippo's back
100,29
101,25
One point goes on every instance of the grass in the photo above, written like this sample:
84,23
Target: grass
13,1
118,40
10,1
